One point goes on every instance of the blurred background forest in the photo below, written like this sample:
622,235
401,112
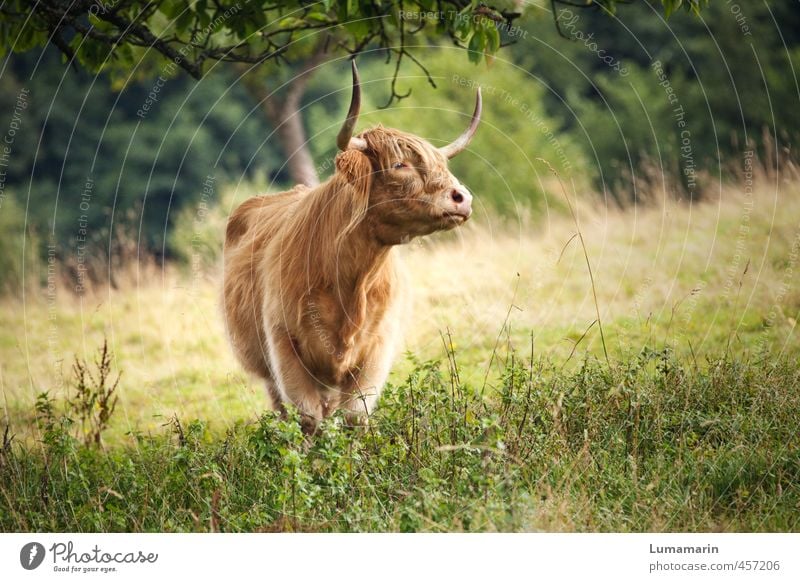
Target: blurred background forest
593,104
621,362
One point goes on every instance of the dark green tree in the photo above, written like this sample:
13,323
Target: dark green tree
137,37
731,73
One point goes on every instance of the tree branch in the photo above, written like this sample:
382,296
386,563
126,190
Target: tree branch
128,22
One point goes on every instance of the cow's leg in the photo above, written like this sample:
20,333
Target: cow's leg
360,402
274,395
365,383
294,383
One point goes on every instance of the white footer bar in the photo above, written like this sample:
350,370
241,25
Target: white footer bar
387,557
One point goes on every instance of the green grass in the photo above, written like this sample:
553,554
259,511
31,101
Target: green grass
691,426
648,445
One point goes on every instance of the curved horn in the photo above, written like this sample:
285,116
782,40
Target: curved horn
345,140
458,146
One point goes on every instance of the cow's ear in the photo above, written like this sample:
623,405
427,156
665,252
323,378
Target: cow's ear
355,168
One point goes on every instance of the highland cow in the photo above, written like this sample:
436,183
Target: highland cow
312,294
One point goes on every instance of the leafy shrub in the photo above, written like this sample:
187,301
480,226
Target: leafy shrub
91,399
94,399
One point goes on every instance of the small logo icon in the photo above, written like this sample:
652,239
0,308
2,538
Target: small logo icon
31,555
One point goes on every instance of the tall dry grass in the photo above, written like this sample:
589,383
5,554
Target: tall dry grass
700,278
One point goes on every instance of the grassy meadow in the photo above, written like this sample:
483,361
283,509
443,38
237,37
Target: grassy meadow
510,410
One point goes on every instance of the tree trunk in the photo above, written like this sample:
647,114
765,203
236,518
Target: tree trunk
283,113
285,118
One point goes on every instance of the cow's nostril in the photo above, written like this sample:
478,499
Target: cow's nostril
457,197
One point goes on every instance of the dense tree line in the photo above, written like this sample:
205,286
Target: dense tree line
686,95
609,98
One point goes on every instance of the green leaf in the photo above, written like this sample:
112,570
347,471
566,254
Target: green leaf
318,17
671,6
172,8
493,38
476,46
291,22
183,21
463,28
204,18
28,38
358,28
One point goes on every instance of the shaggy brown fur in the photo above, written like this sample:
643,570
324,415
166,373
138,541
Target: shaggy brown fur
312,294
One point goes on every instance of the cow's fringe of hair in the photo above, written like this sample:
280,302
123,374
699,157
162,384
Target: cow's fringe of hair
390,145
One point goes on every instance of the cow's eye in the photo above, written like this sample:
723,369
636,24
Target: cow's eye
399,165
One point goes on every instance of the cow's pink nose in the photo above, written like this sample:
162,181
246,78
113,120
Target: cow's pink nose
461,201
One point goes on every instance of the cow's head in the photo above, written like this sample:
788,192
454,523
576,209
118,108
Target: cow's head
411,192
